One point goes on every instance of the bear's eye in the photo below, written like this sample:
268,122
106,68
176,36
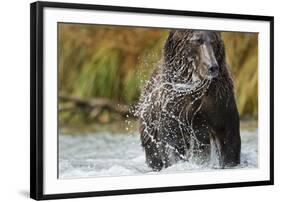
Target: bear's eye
197,41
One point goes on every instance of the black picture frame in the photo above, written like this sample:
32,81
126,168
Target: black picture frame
36,98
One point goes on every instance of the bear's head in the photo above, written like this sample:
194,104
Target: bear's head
191,55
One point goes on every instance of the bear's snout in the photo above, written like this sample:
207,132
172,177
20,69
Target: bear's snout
213,70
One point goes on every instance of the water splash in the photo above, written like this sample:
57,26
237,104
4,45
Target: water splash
163,101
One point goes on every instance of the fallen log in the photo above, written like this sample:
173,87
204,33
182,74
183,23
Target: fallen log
95,105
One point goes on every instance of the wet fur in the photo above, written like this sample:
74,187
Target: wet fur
178,124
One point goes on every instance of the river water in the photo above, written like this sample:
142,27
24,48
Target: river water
117,154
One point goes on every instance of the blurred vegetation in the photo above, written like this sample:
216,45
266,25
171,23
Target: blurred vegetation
113,62
242,57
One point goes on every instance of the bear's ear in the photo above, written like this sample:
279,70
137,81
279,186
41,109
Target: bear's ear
171,34
218,35
176,35
171,43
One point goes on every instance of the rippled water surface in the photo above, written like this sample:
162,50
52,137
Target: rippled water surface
111,154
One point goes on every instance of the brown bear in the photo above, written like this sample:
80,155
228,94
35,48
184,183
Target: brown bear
187,109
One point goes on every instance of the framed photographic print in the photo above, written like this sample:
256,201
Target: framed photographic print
134,100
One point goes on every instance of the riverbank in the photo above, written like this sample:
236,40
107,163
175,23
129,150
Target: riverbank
126,127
